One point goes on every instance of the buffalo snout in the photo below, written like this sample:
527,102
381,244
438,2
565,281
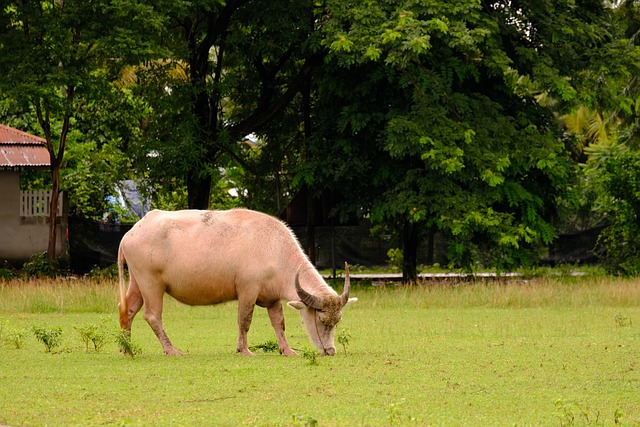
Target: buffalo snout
331,351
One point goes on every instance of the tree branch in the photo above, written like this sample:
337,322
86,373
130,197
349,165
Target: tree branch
269,109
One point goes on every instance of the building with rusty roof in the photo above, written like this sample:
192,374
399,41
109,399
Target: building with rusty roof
19,150
24,215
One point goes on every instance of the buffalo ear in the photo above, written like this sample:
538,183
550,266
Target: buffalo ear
298,305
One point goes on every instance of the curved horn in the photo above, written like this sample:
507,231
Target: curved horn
347,285
310,300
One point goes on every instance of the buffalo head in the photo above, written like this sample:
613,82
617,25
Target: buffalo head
321,314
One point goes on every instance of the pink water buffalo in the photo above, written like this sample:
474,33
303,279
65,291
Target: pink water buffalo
210,257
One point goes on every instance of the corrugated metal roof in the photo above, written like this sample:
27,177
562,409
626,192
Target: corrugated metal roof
19,149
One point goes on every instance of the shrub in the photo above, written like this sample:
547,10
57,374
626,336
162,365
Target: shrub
311,356
396,259
7,273
51,338
39,266
613,180
93,335
269,346
128,347
16,338
107,273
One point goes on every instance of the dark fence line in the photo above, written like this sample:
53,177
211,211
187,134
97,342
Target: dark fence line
95,244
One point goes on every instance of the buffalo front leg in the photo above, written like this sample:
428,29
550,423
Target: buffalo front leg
276,315
245,315
153,316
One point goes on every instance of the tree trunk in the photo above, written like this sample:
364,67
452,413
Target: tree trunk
431,241
311,212
410,251
198,191
53,211
311,228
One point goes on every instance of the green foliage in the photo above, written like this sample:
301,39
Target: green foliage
39,266
311,356
613,172
91,177
104,274
94,335
269,346
60,60
211,102
443,126
443,115
50,337
396,414
573,413
344,338
11,335
304,420
16,338
396,259
622,321
127,346
7,273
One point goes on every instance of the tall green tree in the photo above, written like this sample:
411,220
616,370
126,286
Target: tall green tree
606,126
59,57
450,118
235,66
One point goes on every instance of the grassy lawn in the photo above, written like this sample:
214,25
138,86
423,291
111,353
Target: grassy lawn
547,352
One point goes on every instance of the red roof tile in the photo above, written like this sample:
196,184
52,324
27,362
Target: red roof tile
19,149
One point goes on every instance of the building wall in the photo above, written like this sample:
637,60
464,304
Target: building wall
21,238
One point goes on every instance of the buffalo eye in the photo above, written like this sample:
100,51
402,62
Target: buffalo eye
322,317
328,319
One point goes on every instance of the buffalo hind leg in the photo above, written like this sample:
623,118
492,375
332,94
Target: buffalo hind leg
153,316
276,315
245,315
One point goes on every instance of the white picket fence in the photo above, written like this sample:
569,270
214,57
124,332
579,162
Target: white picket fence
35,203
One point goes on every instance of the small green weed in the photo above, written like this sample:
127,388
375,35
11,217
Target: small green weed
343,339
571,413
269,346
51,338
395,414
304,420
310,355
11,336
622,321
94,335
128,347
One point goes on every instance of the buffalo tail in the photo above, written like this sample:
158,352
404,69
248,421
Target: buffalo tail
123,291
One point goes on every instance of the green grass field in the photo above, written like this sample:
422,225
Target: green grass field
548,352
